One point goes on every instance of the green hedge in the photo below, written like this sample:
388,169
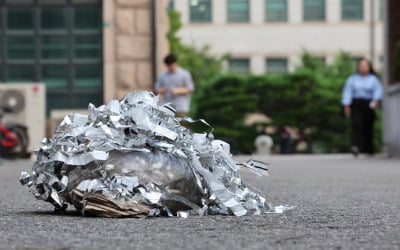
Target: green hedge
308,99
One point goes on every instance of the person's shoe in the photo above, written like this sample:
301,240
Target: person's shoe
354,150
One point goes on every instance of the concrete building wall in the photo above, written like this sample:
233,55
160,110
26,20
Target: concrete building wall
258,39
134,40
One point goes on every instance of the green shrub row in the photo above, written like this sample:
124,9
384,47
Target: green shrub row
307,99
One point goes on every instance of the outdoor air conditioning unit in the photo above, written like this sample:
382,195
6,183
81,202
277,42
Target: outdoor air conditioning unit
28,104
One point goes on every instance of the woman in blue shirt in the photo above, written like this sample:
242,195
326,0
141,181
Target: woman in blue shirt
361,95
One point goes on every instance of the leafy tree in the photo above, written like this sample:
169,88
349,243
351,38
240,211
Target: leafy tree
307,99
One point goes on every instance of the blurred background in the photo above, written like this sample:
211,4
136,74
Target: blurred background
261,67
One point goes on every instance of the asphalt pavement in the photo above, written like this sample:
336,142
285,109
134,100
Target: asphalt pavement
341,203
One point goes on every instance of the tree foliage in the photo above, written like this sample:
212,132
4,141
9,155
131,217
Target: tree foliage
307,99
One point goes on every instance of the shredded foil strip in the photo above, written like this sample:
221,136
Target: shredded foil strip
133,158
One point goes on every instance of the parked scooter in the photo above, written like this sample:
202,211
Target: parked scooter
14,139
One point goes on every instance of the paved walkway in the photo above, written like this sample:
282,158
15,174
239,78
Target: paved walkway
342,203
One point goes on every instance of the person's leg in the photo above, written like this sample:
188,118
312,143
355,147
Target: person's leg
357,127
369,131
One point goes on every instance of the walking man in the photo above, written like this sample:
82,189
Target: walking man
175,86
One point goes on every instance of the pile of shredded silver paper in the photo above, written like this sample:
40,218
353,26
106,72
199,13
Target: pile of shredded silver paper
133,158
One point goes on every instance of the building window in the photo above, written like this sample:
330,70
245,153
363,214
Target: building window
276,10
239,65
277,65
58,43
352,10
314,10
200,11
170,5
238,11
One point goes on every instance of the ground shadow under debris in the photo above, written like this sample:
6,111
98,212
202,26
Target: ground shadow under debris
73,214
53,213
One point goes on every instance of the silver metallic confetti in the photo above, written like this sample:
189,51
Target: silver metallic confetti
133,158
